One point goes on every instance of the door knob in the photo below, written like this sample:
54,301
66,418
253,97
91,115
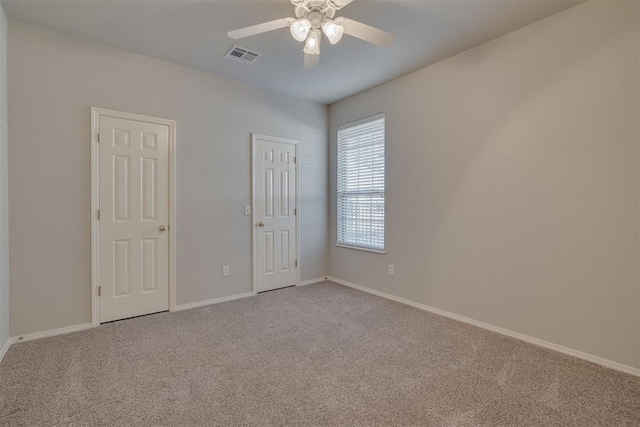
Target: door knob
261,224
162,228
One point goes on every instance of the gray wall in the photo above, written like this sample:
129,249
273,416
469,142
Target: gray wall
4,188
512,183
54,80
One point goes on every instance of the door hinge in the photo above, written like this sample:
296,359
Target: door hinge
99,290
296,263
295,160
98,137
295,211
98,214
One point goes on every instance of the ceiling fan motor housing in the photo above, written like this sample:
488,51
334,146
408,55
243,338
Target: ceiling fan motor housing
320,4
314,10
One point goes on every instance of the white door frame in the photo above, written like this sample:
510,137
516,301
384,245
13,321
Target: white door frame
296,143
96,113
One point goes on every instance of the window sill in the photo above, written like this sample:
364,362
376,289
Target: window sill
361,249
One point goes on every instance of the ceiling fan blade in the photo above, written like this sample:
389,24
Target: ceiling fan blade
341,3
311,61
260,28
366,32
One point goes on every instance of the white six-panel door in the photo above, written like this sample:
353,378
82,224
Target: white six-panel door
134,218
275,201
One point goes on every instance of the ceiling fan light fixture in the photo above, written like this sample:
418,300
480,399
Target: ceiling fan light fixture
312,46
333,31
311,19
300,29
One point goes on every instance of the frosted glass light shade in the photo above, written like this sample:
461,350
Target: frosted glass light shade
312,46
333,31
300,29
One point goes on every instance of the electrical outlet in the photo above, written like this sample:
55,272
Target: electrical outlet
247,209
392,269
225,271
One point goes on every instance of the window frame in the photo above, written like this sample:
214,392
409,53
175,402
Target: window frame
348,125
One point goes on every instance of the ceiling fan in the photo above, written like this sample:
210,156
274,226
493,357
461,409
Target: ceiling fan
314,17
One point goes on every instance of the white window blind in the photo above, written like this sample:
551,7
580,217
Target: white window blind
361,173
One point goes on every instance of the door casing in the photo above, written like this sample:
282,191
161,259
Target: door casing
254,248
96,113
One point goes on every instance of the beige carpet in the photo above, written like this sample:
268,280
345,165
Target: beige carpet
317,355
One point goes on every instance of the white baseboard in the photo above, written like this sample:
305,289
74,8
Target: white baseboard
212,301
51,333
4,349
589,357
312,281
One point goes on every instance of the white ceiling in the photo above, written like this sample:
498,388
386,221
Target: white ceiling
193,33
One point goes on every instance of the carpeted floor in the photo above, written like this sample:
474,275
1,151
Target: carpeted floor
316,355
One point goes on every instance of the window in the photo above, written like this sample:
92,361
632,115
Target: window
361,166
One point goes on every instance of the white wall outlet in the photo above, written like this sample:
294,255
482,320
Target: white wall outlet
225,271
247,209
392,270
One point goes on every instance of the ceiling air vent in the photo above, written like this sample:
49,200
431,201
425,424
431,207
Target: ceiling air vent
241,54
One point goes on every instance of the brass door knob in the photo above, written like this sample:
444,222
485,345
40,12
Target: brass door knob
261,224
162,227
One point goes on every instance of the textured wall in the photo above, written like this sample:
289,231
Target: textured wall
4,188
54,80
512,182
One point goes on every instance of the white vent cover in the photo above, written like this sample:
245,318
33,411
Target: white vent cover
241,54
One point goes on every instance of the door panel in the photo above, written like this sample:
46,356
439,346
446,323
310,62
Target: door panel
134,206
275,201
